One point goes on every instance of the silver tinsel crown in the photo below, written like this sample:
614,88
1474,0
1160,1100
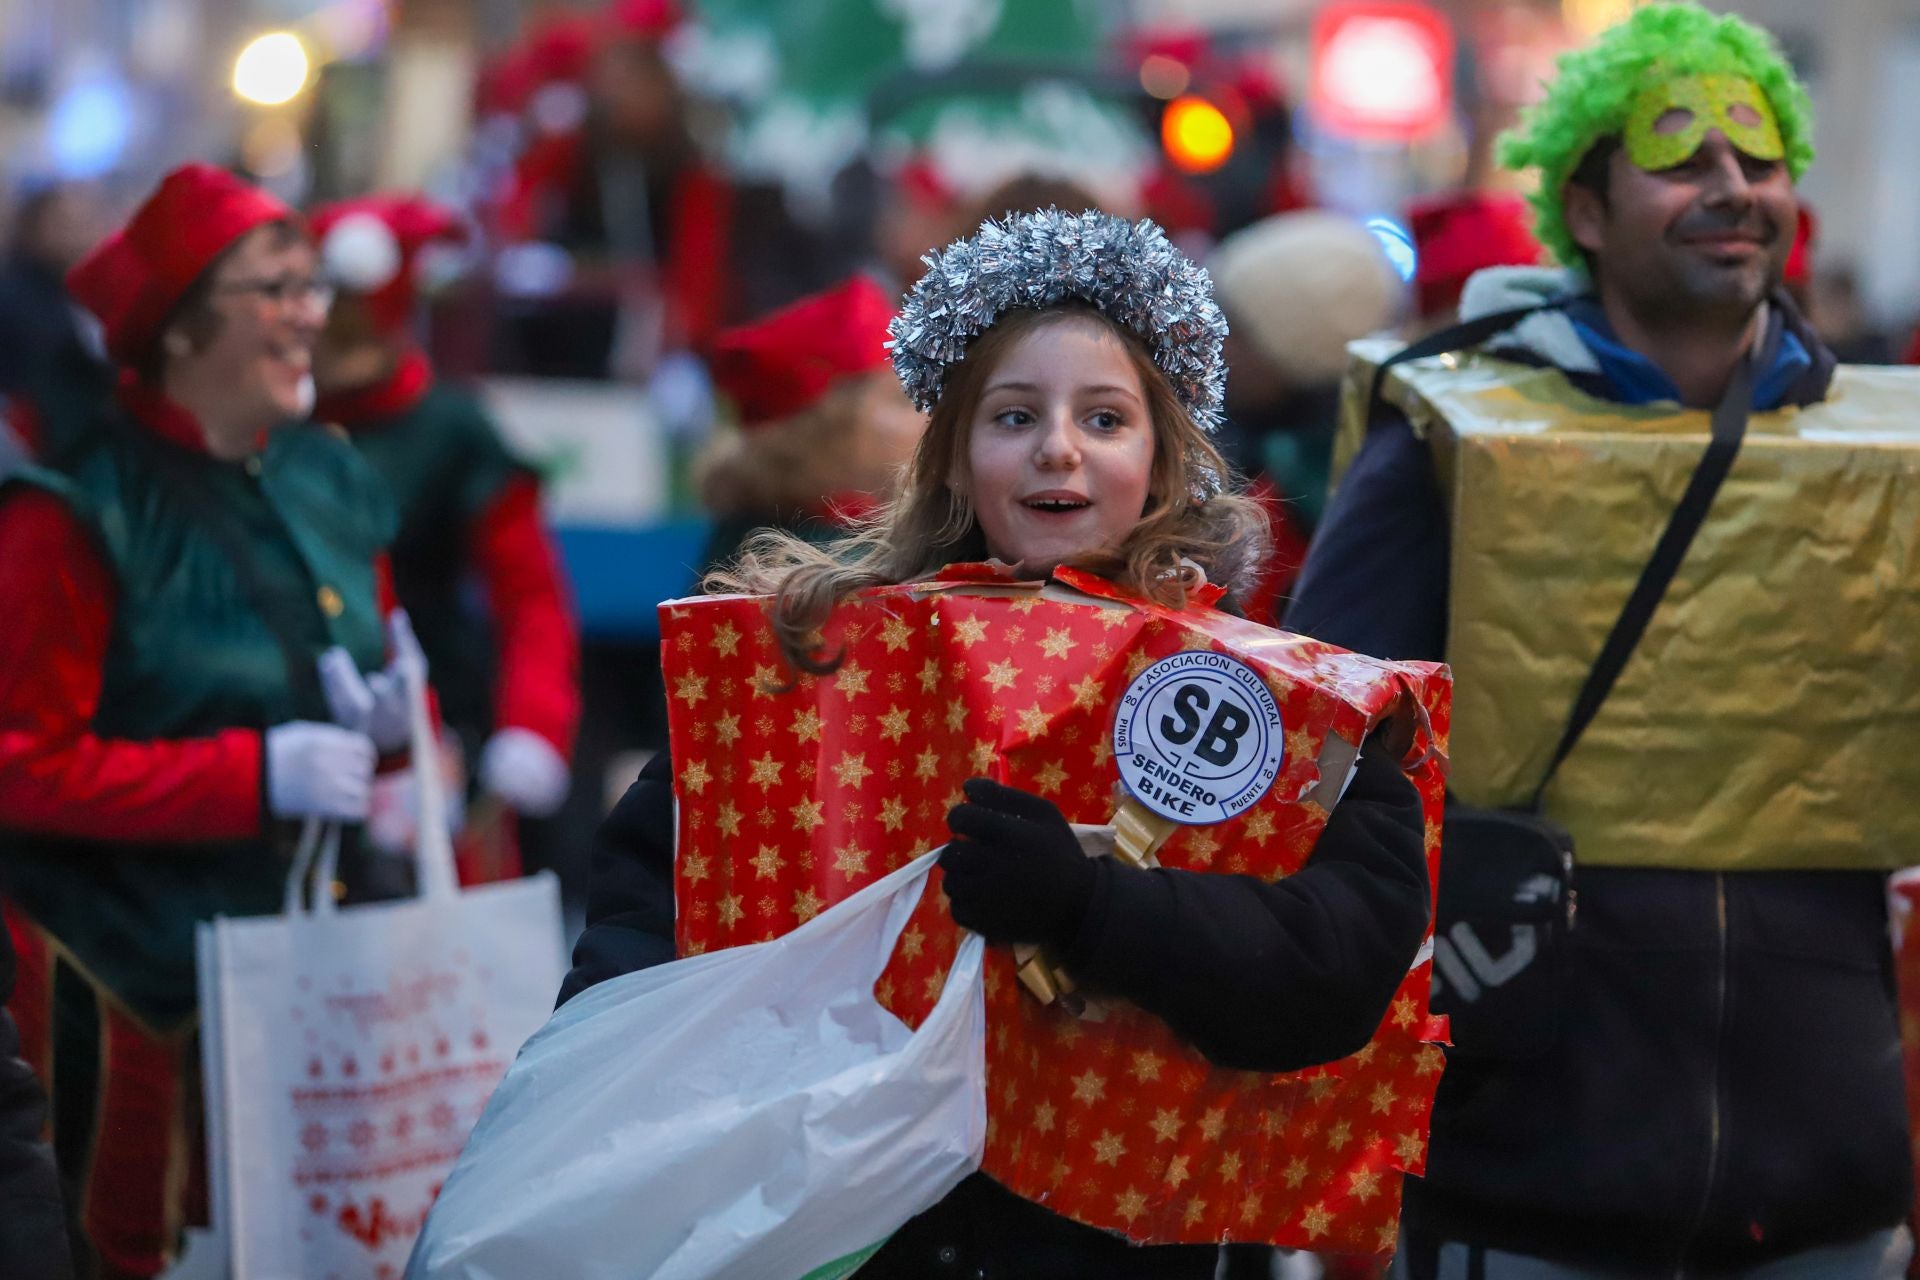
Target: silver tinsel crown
1128,270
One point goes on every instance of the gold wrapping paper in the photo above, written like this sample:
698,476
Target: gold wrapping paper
1768,717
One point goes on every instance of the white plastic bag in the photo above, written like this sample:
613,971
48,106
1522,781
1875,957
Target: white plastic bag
751,1113
348,1051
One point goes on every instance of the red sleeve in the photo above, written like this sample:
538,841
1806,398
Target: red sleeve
539,682
695,268
383,592
57,776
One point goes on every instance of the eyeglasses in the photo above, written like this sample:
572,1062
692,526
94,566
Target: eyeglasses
281,290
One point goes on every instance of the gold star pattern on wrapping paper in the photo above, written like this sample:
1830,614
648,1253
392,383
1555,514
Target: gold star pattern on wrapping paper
1363,1184
1047,727
1316,1221
725,640
1213,1124
1383,1098
806,725
1410,1147
695,777
764,680
851,679
852,771
1296,1171
851,861
767,863
806,815
1299,745
970,631
1250,1208
806,905
766,771
690,689
1146,1066
982,757
1059,643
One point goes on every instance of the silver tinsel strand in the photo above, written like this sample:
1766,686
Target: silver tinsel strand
1128,270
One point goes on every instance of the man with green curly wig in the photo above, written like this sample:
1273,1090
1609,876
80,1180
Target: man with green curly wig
1697,1072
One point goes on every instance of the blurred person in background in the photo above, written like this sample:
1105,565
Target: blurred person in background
1296,289
507,664
165,722
1456,234
44,337
823,425
616,183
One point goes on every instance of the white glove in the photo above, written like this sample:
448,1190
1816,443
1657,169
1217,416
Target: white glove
375,705
319,771
523,769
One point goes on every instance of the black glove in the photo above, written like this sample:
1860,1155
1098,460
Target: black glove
1014,871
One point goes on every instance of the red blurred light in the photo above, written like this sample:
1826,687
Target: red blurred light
1381,69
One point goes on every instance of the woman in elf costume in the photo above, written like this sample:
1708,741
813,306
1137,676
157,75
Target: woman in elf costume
164,714
509,678
1071,368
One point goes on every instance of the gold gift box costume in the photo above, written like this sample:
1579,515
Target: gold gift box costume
1808,557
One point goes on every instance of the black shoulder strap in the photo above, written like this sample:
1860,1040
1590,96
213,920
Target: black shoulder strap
1729,429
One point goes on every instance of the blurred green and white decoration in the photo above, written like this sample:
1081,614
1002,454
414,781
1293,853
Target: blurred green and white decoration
984,90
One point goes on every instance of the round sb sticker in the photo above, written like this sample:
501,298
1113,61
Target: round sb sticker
1198,737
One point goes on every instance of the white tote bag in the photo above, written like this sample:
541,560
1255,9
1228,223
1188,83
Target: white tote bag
747,1114
347,1052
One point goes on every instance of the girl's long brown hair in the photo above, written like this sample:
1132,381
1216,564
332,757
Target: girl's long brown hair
1193,512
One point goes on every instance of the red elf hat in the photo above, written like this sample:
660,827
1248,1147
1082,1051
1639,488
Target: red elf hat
371,247
133,279
1461,232
784,362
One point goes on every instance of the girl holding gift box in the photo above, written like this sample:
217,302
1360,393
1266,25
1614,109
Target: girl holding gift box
1071,367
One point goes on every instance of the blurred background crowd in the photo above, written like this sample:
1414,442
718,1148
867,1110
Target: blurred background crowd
664,238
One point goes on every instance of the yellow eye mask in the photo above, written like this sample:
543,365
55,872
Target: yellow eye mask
1671,118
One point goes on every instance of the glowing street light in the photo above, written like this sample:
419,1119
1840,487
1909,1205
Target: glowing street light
1196,134
272,69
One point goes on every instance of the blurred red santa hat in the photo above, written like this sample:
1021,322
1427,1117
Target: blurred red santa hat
1460,232
134,278
785,361
643,19
1799,268
371,247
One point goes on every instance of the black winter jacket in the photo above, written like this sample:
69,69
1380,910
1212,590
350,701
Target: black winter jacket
1712,1074
1265,977
33,1230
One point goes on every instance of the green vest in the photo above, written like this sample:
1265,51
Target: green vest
191,653
444,463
